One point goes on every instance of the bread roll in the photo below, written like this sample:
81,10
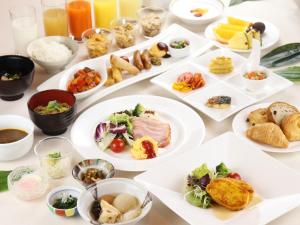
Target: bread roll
291,127
277,111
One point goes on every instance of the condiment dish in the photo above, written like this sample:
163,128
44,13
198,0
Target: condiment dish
179,52
255,85
53,67
23,68
14,150
59,192
53,124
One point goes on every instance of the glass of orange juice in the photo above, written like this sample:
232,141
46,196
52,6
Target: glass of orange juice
129,8
79,17
105,11
55,18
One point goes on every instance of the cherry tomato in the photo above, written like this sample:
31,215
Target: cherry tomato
234,176
117,145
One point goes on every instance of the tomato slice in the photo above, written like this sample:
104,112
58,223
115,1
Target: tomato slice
117,145
234,176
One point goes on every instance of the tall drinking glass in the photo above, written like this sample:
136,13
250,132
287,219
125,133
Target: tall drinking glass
105,11
24,27
79,17
55,18
129,8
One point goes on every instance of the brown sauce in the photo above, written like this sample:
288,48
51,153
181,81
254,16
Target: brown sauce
11,135
225,214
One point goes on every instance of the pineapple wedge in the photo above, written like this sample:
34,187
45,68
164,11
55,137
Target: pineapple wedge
238,22
239,41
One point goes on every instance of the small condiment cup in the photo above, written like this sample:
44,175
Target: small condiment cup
179,52
55,167
255,85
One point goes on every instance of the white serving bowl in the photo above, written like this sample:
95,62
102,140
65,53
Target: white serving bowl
113,186
68,75
182,8
255,85
17,149
55,66
179,52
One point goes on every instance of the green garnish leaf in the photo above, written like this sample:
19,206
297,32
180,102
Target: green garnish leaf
3,180
222,170
199,198
290,73
236,2
54,155
200,171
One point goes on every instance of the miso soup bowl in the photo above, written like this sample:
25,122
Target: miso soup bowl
113,186
17,149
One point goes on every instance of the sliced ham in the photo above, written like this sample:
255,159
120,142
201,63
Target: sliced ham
159,131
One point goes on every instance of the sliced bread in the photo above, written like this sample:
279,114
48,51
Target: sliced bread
279,110
291,127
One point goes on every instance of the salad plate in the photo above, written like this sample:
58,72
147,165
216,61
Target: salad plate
198,43
231,84
269,38
185,129
255,167
240,126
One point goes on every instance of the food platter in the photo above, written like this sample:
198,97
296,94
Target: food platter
239,126
269,38
240,156
230,84
186,131
199,44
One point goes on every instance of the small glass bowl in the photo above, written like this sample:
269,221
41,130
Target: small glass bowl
151,20
27,182
55,156
125,31
98,41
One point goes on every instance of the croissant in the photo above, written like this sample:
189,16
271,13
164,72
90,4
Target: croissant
268,133
291,127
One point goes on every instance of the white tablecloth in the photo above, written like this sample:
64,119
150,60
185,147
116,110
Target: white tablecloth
283,13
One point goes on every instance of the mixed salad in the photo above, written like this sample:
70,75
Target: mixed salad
197,181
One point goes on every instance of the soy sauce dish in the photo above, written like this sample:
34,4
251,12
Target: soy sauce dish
16,76
16,136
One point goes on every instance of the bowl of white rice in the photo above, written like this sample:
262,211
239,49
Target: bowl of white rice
53,53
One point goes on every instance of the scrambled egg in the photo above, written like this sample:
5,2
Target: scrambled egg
139,152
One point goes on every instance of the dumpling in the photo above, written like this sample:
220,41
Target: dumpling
125,202
109,213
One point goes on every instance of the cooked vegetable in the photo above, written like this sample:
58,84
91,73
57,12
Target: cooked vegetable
291,73
91,175
138,110
255,75
53,107
3,180
8,76
117,145
282,56
65,202
222,170
179,44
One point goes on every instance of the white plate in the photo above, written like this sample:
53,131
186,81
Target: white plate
182,9
269,38
187,130
260,170
239,126
198,46
230,84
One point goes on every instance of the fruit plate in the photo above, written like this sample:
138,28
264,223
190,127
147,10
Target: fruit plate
239,126
198,43
187,130
269,38
256,167
231,84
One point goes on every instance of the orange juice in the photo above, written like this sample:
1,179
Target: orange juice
79,16
129,8
105,11
55,22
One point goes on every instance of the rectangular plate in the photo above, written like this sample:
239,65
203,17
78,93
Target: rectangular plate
198,43
230,84
276,184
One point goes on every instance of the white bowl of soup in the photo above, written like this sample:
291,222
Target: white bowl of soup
16,136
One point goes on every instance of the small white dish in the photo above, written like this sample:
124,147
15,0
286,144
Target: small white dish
17,149
179,52
187,130
69,75
256,167
114,186
255,85
182,10
269,38
54,67
239,126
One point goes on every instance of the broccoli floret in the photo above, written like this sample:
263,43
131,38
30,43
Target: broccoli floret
222,170
138,110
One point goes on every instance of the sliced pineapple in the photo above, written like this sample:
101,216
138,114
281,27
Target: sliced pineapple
238,22
240,41
232,27
253,34
223,35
